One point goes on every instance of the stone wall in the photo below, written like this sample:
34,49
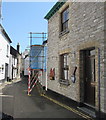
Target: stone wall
86,29
105,56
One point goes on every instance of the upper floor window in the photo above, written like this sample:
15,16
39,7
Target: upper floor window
64,19
14,60
7,50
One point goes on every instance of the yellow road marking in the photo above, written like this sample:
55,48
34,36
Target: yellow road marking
68,108
29,95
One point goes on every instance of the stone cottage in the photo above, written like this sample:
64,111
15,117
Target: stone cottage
77,52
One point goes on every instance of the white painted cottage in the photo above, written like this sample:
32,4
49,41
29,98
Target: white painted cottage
4,54
25,56
13,63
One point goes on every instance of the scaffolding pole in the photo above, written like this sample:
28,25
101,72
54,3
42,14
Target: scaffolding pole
37,59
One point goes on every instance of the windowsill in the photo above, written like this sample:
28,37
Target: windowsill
63,32
64,82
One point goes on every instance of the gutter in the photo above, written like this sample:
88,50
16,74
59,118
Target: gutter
5,34
54,9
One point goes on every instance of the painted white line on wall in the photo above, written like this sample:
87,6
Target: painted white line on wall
1,95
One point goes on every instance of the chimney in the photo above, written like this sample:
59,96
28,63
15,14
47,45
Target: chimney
18,47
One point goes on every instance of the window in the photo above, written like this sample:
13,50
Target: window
14,60
64,69
64,19
7,50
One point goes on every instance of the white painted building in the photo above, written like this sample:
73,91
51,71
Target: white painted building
13,63
25,56
4,54
43,77
26,64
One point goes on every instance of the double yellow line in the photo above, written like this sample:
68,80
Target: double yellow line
68,108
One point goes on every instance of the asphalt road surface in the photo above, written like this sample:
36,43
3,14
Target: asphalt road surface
17,103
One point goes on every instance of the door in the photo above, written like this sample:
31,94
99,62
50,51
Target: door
89,76
12,72
6,71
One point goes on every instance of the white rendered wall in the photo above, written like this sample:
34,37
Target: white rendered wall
3,55
26,65
11,63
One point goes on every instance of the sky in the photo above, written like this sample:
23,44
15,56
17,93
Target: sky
20,18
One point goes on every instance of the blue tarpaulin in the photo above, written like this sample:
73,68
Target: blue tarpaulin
38,57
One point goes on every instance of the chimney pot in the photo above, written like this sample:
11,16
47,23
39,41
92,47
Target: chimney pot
18,47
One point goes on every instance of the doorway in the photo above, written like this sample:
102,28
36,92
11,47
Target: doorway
6,72
89,76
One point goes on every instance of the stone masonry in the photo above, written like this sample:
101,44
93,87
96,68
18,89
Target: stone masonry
86,30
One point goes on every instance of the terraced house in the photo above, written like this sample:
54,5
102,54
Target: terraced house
4,55
77,53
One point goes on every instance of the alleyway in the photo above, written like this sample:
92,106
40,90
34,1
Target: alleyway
17,103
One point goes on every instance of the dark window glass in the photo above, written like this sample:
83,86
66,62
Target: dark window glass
65,18
14,61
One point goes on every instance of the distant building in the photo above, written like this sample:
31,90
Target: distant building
25,63
19,62
77,53
15,63
42,64
4,55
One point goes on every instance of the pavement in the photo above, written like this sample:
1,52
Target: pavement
2,85
17,103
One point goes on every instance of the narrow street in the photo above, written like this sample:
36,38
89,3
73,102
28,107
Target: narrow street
18,104
52,59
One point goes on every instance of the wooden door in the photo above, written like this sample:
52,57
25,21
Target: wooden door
89,86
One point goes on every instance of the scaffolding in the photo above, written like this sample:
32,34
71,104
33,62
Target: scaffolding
37,60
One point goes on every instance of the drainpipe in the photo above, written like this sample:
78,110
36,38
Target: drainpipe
46,78
46,67
99,114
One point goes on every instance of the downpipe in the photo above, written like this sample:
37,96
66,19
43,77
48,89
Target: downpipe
99,112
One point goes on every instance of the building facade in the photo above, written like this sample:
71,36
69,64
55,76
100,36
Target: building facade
43,77
19,62
15,63
25,63
76,52
4,55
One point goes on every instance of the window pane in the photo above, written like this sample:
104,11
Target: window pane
65,60
64,67
65,15
65,75
65,26
65,18
7,50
